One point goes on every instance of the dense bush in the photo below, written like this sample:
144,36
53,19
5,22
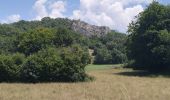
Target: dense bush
49,53
63,37
110,49
118,57
148,45
33,41
43,66
10,66
75,60
64,64
103,56
7,44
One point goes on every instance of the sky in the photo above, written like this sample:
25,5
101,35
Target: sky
116,14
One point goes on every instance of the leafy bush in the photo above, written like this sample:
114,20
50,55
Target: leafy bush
10,66
43,66
118,57
75,60
32,42
64,64
63,37
103,56
7,44
109,49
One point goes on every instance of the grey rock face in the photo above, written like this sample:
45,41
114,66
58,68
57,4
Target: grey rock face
89,30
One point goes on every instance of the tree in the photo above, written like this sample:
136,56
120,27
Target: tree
63,37
109,49
32,42
118,57
103,56
149,40
10,66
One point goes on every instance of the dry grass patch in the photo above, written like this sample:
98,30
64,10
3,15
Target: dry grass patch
109,85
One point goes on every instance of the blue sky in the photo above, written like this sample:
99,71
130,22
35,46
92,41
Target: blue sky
22,7
92,11
25,8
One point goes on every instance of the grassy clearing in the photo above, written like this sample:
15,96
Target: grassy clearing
110,84
101,67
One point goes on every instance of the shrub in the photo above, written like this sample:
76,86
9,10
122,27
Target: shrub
64,64
75,60
43,66
118,57
33,41
103,56
10,66
63,37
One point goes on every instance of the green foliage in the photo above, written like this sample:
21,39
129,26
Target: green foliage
55,23
64,64
63,37
43,66
34,41
110,49
75,60
7,30
148,44
51,51
118,57
103,56
10,66
7,44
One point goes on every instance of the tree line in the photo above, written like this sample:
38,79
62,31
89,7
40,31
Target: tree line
48,50
148,43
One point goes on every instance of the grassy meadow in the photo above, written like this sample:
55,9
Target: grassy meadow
109,84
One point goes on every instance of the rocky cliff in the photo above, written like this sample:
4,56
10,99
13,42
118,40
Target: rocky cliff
89,30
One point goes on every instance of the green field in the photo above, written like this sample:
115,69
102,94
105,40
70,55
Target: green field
92,67
109,84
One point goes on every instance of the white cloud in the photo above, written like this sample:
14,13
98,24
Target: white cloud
47,8
12,18
57,9
40,9
117,14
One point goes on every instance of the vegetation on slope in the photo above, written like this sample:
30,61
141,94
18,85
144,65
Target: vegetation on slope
48,50
42,54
